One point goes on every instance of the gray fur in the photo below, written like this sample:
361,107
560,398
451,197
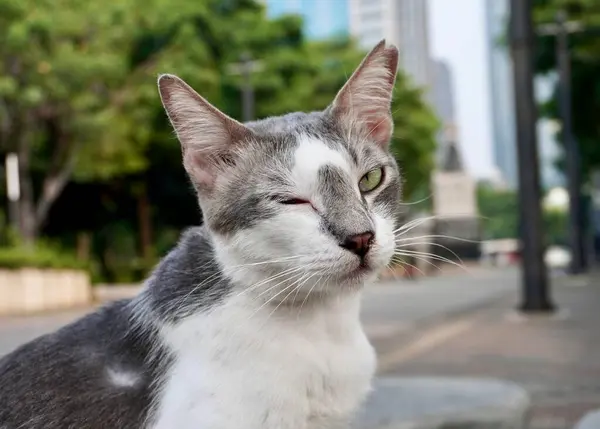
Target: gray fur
245,199
106,369
186,281
60,380
344,215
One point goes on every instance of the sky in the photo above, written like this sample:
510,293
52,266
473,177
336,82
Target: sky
457,34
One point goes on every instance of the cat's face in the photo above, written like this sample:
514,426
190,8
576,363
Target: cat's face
305,200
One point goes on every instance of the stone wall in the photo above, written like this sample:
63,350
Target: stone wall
32,290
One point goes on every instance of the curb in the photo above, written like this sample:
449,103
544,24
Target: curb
589,421
445,402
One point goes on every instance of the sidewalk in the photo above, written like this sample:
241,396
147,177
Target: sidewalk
557,359
396,307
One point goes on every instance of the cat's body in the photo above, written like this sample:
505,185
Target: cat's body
224,368
252,321
235,367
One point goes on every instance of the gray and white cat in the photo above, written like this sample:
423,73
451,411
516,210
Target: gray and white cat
251,321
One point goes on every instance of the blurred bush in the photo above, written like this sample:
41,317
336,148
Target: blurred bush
41,256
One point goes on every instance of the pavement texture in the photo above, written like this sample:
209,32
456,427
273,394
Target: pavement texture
555,358
443,403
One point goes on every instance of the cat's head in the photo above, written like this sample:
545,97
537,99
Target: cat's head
306,199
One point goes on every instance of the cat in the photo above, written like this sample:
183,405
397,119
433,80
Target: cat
252,320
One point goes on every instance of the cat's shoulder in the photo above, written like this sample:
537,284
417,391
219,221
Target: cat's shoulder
88,374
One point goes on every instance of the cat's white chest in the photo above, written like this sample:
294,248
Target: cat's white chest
233,371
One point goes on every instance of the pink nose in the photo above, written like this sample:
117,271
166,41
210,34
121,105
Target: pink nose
359,243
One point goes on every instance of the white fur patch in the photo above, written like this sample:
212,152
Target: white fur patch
385,244
240,367
310,156
122,378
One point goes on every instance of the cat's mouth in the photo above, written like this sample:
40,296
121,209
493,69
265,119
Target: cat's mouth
358,273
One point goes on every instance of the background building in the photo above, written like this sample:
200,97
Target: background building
401,22
322,19
443,102
501,91
443,92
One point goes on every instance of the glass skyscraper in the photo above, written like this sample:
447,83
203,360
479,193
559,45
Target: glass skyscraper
502,94
322,18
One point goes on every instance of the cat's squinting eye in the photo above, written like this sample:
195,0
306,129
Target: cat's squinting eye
294,201
371,180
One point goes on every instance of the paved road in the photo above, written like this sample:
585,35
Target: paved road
557,358
390,309
396,307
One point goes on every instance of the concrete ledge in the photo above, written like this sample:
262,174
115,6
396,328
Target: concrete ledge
443,403
32,290
590,421
107,292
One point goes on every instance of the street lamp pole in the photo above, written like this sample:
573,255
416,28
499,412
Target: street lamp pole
245,68
535,295
247,90
573,161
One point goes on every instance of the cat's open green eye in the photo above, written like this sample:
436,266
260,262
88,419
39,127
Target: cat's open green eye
371,180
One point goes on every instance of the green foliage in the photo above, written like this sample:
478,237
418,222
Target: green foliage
15,254
555,226
585,54
42,256
120,257
499,211
63,64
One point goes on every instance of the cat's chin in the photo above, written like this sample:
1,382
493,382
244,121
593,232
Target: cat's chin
361,274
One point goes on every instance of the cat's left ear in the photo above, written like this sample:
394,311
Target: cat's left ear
208,137
365,100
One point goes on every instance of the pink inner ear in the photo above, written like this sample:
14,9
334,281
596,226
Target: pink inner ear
201,169
379,129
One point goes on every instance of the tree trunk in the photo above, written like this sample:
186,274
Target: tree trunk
83,246
27,224
59,171
53,186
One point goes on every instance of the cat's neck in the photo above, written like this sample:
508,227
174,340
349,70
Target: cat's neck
191,280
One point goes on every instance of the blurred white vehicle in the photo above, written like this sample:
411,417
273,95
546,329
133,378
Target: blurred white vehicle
557,257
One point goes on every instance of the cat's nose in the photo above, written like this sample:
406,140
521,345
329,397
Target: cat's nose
359,243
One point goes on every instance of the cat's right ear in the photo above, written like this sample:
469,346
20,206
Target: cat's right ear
207,135
363,104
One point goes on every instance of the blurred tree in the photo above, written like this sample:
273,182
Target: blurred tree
499,211
585,56
556,226
61,66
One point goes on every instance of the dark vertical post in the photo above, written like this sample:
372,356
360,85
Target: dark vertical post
596,216
247,90
534,277
573,161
